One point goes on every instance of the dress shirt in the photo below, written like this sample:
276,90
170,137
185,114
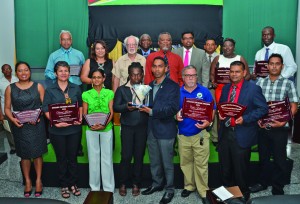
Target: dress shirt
120,69
237,94
175,66
3,84
290,67
75,57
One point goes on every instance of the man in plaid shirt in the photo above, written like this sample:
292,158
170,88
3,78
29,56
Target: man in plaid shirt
272,139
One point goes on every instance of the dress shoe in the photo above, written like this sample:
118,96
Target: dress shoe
185,193
277,191
246,197
167,197
256,188
80,153
151,190
204,201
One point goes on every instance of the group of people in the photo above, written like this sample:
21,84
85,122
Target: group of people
186,72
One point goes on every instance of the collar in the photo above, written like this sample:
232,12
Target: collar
270,46
198,86
279,78
155,84
239,85
66,51
143,52
184,49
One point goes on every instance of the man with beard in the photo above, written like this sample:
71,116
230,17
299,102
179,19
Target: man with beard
145,44
162,130
174,62
120,70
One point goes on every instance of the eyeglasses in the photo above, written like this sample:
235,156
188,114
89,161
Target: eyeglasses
97,77
190,75
131,45
6,69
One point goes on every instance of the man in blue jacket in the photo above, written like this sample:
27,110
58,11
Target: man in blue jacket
237,135
162,130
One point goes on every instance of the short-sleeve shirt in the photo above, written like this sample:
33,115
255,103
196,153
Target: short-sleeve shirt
99,102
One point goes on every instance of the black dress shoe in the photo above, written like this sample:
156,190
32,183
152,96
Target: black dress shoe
185,193
256,188
167,197
152,189
12,151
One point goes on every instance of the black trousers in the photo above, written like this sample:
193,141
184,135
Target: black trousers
234,161
65,147
273,143
133,144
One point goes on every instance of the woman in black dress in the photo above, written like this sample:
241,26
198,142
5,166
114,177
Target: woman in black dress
30,138
98,60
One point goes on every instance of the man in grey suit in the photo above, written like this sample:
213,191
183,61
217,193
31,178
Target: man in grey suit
194,56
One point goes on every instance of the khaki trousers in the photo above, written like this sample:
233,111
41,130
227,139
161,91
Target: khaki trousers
194,161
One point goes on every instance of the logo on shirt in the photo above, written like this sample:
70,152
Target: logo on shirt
199,95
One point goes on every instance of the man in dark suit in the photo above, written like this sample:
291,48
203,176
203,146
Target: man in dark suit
162,130
145,44
133,131
194,56
237,135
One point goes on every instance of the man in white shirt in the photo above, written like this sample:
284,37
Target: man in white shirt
270,47
5,81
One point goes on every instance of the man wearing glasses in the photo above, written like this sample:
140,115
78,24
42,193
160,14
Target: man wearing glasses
120,70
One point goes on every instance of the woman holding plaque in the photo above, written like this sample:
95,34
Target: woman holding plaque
99,136
98,60
30,138
65,136
133,130
224,61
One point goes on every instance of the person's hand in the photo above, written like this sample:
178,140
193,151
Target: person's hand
239,121
220,117
131,107
260,124
204,124
214,84
145,109
97,127
1,118
60,125
276,123
16,122
33,122
179,116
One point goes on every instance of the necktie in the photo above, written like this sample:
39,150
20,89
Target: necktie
67,59
166,60
209,58
186,58
267,54
231,99
146,54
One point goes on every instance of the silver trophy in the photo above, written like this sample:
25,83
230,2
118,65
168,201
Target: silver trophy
140,95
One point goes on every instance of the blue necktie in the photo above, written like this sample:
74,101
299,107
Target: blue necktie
166,60
67,59
267,54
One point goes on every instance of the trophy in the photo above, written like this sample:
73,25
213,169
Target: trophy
140,95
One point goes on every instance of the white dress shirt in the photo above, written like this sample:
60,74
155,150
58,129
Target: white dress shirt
290,67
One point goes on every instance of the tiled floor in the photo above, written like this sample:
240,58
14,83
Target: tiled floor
11,182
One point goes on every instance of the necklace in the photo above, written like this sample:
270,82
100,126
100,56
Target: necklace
100,65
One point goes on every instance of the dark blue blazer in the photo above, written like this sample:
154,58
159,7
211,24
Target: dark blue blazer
252,97
164,108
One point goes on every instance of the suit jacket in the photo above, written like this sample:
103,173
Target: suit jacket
200,61
252,97
164,108
123,95
139,51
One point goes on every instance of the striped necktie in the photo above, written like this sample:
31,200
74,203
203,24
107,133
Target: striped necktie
166,60
231,99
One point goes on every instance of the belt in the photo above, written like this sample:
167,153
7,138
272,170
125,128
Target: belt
230,128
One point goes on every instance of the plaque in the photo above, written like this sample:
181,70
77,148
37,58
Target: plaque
197,109
222,75
279,111
140,95
229,109
261,69
96,118
27,115
63,113
75,70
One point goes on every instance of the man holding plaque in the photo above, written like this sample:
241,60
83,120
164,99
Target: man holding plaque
273,136
238,133
162,130
270,47
193,139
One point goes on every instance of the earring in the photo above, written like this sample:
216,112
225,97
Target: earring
92,85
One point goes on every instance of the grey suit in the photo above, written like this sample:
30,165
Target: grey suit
200,61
